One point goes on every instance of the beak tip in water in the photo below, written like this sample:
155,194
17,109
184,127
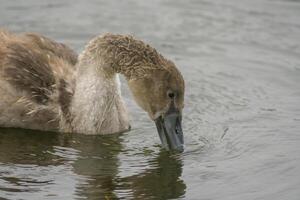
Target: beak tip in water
170,132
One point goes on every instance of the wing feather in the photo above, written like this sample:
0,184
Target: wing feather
41,72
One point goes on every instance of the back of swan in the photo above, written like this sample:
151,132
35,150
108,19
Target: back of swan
36,81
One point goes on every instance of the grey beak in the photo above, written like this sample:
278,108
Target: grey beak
170,131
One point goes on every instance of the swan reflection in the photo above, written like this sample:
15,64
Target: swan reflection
83,167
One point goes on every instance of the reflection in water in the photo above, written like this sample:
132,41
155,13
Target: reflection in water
161,182
28,147
98,163
88,163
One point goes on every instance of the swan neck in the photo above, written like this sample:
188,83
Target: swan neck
122,54
97,107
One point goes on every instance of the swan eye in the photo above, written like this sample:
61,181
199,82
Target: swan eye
171,95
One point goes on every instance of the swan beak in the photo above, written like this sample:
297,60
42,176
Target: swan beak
170,131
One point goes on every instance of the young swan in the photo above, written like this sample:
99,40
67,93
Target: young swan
43,86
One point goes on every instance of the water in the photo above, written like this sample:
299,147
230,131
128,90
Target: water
241,63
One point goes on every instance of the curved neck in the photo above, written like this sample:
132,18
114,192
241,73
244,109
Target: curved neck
121,54
97,106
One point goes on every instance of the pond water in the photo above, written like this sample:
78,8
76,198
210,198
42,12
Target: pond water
241,63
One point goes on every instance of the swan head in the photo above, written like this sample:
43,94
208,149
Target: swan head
156,83
160,92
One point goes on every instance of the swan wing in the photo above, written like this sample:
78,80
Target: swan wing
36,81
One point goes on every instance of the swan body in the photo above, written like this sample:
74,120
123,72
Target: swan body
45,86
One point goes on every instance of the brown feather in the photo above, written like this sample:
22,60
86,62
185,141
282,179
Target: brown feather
29,71
41,72
50,47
